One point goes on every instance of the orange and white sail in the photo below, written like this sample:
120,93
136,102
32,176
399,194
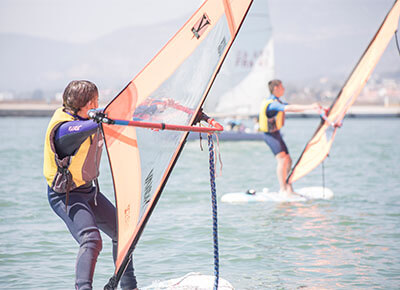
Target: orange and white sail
317,149
170,89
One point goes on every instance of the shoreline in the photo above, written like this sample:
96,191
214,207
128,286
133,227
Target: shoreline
46,110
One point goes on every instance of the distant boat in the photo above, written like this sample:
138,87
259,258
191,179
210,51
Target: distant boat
234,130
230,136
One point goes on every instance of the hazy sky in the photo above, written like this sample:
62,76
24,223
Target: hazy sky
85,20
311,37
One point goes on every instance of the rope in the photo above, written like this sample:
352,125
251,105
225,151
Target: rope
397,42
323,178
218,153
214,209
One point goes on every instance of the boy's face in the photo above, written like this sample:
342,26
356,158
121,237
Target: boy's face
92,104
279,90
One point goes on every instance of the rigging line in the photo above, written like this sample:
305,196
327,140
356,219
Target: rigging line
214,209
218,153
397,42
201,142
323,178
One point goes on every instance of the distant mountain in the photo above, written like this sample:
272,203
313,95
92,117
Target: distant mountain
29,63
306,54
330,58
327,38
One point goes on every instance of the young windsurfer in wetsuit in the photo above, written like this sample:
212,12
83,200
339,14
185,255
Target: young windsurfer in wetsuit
72,152
272,119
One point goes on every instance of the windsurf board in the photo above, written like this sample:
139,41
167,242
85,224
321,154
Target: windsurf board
190,281
303,194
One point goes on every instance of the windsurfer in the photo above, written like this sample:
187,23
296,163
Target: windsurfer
72,154
272,118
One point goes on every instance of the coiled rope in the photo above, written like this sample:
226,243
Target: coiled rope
214,209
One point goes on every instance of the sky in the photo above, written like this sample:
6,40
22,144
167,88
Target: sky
324,35
85,20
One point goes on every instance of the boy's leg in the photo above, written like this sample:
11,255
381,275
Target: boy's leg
106,218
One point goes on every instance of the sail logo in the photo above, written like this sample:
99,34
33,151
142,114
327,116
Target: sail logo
221,46
250,58
201,25
127,213
147,187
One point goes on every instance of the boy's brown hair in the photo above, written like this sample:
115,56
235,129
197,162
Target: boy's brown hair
77,94
272,84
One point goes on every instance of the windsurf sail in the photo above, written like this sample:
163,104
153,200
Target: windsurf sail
317,149
240,85
170,89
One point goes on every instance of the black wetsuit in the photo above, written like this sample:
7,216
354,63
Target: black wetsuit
88,211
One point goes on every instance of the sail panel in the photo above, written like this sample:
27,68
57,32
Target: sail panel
241,84
317,149
170,89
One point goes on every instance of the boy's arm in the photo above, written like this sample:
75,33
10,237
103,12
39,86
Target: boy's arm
301,108
70,135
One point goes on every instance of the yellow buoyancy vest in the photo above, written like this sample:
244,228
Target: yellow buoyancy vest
273,124
66,174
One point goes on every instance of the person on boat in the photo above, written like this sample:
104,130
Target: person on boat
72,152
271,120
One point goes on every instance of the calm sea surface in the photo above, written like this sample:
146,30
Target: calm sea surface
349,242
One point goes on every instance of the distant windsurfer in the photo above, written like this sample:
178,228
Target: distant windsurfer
271,120
72,153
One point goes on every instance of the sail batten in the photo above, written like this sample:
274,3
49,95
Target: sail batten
231,21
170,89
317,149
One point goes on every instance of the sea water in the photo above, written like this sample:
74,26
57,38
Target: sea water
349,242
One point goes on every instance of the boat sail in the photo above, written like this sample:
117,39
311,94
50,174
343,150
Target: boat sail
317,149
241,84
171,88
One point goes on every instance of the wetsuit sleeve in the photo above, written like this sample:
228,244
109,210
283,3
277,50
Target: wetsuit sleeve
274,108
70,135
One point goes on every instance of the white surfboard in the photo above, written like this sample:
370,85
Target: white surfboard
191,281
304,194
